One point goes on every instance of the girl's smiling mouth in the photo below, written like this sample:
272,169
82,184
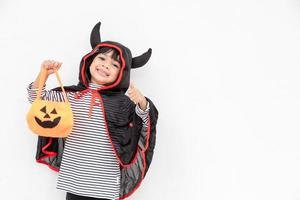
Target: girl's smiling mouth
102,72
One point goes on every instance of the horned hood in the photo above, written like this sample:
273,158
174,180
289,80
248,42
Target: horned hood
127,61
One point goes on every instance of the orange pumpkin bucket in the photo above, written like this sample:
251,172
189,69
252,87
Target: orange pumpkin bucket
50,118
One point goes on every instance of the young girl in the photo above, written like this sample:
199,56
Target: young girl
111,145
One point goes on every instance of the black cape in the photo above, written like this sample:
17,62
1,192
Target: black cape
132,144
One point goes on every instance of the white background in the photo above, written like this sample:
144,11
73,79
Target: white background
223,74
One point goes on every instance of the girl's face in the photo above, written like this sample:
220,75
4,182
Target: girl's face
104,69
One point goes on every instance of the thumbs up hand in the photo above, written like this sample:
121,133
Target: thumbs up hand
136,96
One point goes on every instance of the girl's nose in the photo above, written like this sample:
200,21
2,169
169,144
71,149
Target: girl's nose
105,66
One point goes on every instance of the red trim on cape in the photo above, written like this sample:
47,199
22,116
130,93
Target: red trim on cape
48,154
144,162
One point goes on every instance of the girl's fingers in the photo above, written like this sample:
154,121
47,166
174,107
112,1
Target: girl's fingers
48,66
46,63
59,65
133,98
56,65
51,65
134,93
131,90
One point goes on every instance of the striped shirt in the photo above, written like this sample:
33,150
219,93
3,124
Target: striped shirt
89,166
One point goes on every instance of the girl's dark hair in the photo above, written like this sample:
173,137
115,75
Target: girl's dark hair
115,56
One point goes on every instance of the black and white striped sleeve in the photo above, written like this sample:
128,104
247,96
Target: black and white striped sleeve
48,95
143,114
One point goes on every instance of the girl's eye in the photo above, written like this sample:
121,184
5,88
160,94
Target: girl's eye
116,65
101,58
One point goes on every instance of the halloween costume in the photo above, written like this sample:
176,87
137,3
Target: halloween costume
132,145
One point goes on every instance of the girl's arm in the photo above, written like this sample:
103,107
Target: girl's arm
32,88
142,109
50,66
142,105
143,114
48,95
137,97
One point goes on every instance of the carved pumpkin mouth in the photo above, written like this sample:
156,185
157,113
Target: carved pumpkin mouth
48,123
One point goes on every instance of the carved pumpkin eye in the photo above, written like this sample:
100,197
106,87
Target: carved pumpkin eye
48,123
44,109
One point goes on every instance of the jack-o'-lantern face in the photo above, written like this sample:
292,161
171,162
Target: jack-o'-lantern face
48,119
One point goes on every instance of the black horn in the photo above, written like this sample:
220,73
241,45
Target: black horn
95,35
141,60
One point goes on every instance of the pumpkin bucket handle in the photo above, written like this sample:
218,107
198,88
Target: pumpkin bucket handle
42,81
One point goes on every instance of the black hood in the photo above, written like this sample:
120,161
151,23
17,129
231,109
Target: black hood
127,62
